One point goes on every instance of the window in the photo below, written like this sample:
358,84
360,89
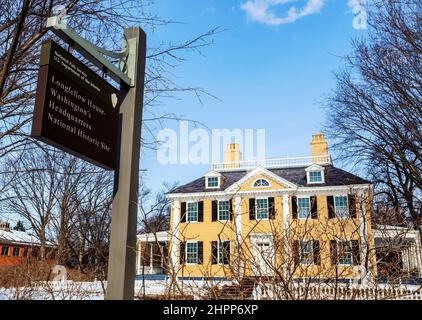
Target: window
303,208
191,252
16,251
5,251
25,252
223,210
213,182
223,252
344,251
261,205
261,183
341,206
306,254
315,176
192,211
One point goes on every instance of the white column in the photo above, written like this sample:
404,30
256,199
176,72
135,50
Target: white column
286,232
151,258
175,235
238,230
138,257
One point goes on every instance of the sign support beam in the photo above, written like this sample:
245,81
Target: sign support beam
122,255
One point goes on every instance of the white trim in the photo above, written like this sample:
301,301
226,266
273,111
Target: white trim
310,207
335,207
187,210
260,171
320,190
268,209
186,253
218,210
257,187
214,187
315,168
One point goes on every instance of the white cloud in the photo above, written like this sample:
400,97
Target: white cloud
353,3
260,11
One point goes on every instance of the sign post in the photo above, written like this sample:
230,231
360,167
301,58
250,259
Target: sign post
71,118
122,255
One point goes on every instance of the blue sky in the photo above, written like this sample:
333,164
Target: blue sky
271,68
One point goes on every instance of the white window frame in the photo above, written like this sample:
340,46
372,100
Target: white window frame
315,182
347,207
212,187
309,211
218,210
221,247
186,252
187,211
256,208
256,180
301,246
351,253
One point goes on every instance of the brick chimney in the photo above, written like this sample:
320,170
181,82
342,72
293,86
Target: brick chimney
319,147
232,155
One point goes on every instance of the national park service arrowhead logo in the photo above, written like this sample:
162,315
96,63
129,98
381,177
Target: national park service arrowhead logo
114,100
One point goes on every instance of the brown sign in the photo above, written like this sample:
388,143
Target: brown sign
75,109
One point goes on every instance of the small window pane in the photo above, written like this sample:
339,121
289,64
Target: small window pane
192,252
5,251
306,252
212,182
16,251
261,208
303,207
345,253
192,211
261,183
341,206
223,252
223,210
315,176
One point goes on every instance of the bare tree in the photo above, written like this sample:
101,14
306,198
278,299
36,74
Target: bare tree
375,112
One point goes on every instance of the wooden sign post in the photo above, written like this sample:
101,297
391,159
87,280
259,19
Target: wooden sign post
80,113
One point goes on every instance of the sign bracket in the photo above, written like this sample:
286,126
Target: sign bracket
90,51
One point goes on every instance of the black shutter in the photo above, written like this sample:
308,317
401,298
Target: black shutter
333,251
251,208
271,207
231,209
317,254
330,206
296,256
182,246
183,212
226,252
356,252
294,207
200,252
352,206
200,211
314,207
214,252
214,210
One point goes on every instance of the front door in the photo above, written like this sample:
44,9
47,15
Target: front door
263,256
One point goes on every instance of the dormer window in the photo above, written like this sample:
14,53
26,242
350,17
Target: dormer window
315,174
213,182
315,177
261,183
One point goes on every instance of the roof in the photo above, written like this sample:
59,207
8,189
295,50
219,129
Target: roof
18,237
333,177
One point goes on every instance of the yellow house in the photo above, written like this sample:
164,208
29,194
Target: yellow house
287,218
